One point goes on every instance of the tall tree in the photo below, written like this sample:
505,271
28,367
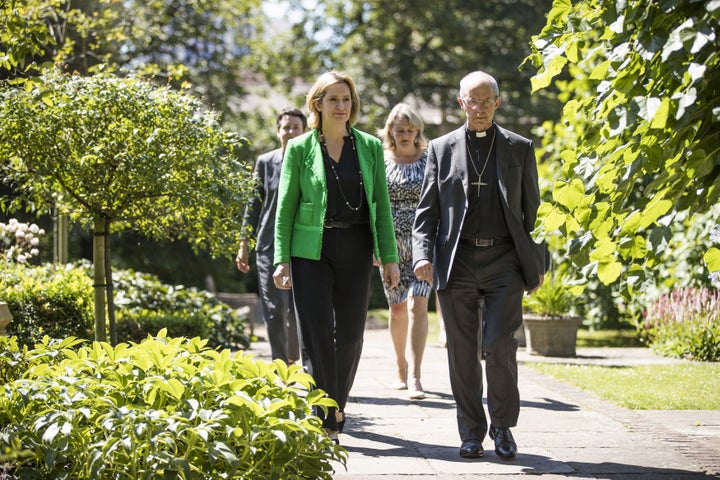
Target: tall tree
119,154
418,50
214,49
638,147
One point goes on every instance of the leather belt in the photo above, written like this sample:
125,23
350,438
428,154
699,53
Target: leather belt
484,242
336,224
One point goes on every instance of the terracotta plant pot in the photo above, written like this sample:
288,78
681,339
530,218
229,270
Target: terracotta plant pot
5,317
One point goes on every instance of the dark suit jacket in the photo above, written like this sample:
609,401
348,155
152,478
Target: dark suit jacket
443,202
259,218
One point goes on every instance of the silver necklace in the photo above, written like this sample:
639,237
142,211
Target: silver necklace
337,178
479,182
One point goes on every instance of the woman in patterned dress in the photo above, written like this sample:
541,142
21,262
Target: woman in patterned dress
405,157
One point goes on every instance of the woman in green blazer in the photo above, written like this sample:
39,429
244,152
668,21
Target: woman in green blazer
333,216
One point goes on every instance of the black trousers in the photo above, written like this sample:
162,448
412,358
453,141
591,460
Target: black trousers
482,307
277,311
331,301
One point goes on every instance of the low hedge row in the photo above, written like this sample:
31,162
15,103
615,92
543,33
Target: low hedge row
56,300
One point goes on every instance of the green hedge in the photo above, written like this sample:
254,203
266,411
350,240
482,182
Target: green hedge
57,301
48,300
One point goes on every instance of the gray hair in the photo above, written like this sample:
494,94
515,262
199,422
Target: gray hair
478,78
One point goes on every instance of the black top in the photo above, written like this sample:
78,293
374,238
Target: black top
484,217
349,188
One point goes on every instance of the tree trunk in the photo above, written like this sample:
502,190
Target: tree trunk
109,286
60,237
99,239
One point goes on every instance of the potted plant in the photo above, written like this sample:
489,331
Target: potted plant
549,324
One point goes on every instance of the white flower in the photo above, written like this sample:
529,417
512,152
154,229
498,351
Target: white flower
715,233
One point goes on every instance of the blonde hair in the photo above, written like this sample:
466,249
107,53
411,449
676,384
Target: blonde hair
400,111
318,91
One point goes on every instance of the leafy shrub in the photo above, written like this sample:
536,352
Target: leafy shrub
134,326
144,303
49,299
684,324
57,301
165,408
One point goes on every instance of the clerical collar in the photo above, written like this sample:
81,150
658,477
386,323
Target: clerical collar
482,134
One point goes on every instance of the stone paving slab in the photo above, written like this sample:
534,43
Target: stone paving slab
563,432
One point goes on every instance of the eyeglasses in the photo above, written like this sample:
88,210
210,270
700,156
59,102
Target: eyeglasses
472,103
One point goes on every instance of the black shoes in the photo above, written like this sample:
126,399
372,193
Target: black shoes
471,449
505,446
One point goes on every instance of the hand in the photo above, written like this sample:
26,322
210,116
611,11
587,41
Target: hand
424,271
282,276
376,262
542,278
242,258
391,275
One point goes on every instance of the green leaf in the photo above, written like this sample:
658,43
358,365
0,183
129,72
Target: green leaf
631,223
551,68
609,271
634,248
554,219
712,259
604,249
51,432
654,210
570,195
659,119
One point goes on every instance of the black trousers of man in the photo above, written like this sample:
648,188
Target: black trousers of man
487,278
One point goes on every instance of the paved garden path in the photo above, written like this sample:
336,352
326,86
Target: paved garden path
563,432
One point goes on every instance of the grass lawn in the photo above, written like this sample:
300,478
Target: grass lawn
684,386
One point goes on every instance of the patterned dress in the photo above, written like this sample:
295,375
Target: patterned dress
404,184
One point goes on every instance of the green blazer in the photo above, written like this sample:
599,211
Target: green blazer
302,199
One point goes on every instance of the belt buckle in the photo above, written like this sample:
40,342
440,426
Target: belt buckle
327,224
484,242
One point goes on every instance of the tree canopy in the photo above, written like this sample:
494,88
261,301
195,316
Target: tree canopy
418,51
212,48
638,146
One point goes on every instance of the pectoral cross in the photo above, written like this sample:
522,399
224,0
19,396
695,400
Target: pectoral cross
479,184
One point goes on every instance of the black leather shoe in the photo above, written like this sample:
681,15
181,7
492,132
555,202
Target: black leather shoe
505,446
471,449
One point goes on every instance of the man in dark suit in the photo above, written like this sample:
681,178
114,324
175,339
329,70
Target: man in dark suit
471,238
259,223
